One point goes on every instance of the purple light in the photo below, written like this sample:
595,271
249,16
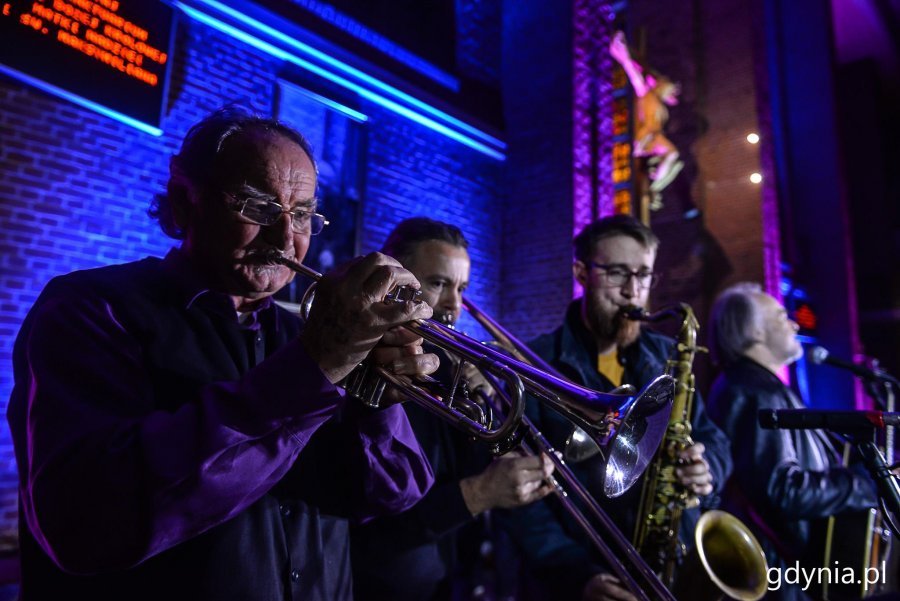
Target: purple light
591,115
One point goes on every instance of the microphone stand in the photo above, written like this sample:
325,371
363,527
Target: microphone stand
888,488
881,386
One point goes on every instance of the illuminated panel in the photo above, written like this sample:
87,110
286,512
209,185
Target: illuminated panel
621,150
621,163
806,318
110,56
622,202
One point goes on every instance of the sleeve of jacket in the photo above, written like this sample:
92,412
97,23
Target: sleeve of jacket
717,453
768,466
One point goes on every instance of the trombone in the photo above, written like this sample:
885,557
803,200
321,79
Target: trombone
630,437
640,452
627,428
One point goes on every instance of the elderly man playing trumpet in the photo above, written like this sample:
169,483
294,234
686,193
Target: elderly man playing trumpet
178,435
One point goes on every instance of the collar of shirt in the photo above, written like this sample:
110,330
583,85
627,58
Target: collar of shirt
194,292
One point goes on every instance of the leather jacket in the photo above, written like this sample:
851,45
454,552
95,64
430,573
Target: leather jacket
782,479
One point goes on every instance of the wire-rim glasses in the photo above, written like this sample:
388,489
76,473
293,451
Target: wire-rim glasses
265,212
619,275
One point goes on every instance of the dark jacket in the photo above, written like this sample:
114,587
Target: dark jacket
158,460
554,547
416,555
783,479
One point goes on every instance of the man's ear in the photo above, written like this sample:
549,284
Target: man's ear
580,271
182,195
182,200
757,335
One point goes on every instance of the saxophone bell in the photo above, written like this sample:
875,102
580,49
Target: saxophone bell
726,559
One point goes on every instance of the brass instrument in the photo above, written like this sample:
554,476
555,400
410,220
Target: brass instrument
731,558
534,442
629,440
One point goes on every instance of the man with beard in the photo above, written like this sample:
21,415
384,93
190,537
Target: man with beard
783,479
431,549
178,435
597,347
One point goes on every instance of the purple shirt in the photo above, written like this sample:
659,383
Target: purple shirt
150,447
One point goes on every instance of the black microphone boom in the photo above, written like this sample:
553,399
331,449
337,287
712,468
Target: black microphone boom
820,355
836,421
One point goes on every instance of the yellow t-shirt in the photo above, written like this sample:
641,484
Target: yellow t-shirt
609,366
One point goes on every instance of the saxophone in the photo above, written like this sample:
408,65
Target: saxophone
726,558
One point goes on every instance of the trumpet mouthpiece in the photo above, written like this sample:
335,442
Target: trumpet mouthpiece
274,255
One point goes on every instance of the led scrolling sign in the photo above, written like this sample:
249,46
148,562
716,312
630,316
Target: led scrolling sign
107,53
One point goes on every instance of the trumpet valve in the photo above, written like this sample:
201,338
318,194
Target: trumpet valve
402,294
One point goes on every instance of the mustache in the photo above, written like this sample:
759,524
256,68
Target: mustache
264,256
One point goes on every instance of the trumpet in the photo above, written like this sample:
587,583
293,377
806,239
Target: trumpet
628,427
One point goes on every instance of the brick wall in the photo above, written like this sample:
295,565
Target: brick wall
75,186
63,207
413,173
709,48
478,47
537,96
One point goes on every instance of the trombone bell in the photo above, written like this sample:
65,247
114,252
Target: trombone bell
632,440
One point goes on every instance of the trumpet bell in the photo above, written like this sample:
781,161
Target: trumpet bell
636,436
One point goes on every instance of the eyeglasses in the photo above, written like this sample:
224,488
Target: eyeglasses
618,275
266,212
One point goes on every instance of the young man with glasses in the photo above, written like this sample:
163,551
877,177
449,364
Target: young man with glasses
598,347
178,435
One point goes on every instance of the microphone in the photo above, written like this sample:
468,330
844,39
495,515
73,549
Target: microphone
820,355
836,421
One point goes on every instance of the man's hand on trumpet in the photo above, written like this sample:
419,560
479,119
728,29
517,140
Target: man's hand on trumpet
350,319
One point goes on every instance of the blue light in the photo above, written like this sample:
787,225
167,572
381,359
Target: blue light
76,99
366,92
335,106
785,287
352,71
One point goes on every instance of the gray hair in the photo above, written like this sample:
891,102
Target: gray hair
731,322
196,161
